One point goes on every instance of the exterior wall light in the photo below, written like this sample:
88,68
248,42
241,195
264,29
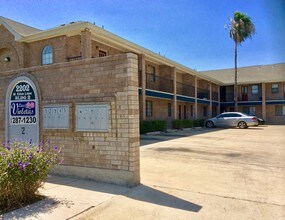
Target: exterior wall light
7,59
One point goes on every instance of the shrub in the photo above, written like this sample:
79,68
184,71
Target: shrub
177,124
187,123
150,126
23,169
198,122
180,124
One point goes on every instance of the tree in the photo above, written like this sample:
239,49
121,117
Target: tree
241,28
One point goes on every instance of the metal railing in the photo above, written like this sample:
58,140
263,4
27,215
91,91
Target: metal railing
275,96
185,89
203,93
215,96
159,83
74,58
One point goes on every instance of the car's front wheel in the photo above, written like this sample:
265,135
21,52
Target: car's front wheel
242,124
209,124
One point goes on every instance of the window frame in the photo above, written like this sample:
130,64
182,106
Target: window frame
103,52
257,90
47,60
280,110
274,89
149,108
152,73
244,90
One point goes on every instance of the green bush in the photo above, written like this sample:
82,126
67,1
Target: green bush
23,169
177,124
198,122
180,124
150,126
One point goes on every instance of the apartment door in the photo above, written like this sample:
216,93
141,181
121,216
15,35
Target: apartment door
244,92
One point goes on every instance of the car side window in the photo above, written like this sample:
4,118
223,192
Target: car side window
236,115
221,116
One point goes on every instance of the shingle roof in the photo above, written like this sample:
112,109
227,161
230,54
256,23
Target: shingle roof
250,74
19,28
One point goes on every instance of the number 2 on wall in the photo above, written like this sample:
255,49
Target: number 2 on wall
23,130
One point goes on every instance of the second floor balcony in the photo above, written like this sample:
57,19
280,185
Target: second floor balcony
203,94
159,83
185,89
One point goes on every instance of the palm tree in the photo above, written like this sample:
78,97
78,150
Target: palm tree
241,28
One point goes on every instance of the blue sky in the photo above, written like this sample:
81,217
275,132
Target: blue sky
190,32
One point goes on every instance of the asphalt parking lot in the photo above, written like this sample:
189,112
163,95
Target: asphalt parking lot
206,174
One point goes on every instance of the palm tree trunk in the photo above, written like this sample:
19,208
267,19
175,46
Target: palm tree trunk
235,86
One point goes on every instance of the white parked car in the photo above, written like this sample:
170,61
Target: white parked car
232,119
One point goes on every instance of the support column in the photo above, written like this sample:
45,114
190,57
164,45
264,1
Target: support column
219,100
196,94
211,103
86,48
263,101
174,101
142,77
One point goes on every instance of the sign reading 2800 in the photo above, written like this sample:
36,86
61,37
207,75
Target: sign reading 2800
23,104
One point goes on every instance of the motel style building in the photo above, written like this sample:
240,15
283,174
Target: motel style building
83,87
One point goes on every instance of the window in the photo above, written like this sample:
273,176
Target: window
185,111
205,111
152,73
254,89
244,89
169,109
148,108
280,110
47,55
250,110
179,111
102,53
274,88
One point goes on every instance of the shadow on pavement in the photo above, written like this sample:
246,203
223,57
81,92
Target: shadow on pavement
140,192
147,194
155,138
185,150
46,205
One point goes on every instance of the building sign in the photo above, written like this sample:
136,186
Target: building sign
22,110
22,104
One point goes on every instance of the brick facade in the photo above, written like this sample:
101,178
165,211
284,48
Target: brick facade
111,156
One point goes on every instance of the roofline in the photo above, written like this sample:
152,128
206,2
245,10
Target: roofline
16,34
77,27
263,65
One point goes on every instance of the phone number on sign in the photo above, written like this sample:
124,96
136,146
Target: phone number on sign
23,120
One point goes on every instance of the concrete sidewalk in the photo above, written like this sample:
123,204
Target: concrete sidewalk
67,198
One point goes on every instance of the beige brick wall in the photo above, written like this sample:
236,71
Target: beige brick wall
112,80
271,117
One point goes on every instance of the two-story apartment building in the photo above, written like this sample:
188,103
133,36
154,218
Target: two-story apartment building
261,91
83,87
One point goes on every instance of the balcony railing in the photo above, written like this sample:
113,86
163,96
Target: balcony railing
215,96
275,96
203,94
74,58
159,83
185,89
